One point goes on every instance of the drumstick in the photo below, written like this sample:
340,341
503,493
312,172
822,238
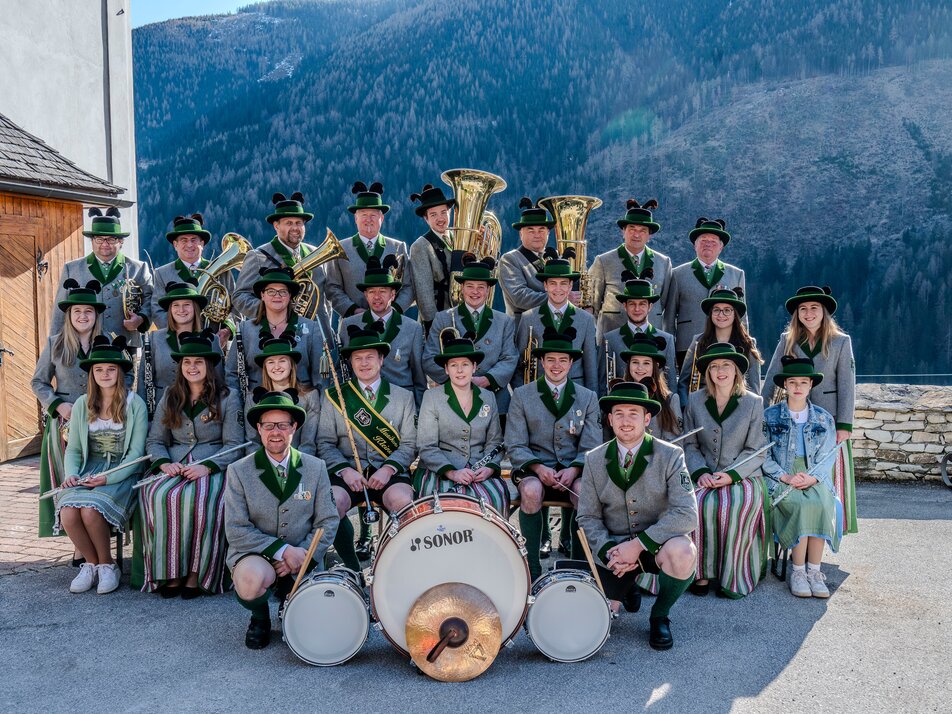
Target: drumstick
591,561
307,559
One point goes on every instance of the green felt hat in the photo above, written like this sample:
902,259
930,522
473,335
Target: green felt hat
266,401
557,268
732,296
717,226
105,352
196,344
360,338
182,291
722,350
477,270
277,347
189,226
640,215
429,197
554,341
812,293
77,295
371,197
532,215
292,207
105,225
280,276
629,393
381,274
637,289
643,345
797,367
459,347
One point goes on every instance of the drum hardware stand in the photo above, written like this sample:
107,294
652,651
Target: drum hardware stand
484,508
437,506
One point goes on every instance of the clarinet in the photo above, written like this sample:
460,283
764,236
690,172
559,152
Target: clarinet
242,367
486,459
148,375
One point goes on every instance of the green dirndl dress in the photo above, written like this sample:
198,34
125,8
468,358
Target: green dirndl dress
814,513
114,501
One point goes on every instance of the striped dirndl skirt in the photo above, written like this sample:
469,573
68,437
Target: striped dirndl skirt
183,531
493,490
844,483
732,535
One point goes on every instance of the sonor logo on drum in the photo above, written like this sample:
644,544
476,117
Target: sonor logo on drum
442,539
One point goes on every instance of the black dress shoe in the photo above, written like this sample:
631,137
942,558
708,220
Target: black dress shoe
364,550
660,637
258,635
545,549
191,593
170,591
564,549
632,600
699,590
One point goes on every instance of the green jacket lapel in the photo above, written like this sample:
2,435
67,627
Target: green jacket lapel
716,274
383,395
268,476
811,352
711,405
285,255
379,244
455,406
171,339
485,321
616,472
566,398
95,267
391,329
294,474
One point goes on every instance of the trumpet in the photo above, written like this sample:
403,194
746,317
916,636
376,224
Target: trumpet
571,215
695,382
530,369
308,299
234,247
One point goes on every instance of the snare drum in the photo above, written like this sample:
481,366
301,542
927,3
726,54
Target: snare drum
569,618
445,539
326,622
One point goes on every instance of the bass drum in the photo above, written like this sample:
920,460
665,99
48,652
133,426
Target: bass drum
569,618
448,539
326,622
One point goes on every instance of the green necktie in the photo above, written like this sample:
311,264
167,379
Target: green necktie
628,459
282,474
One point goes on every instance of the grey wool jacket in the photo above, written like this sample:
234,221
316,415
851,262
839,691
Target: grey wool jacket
751,378
70,380
683,316
584,369
734,435
176,272
403,366
605,275
261,517
428,270
521,290
616,342
307,341
343,276
447,440
655,503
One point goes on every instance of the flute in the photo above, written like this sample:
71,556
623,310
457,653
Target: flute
58,489
685,436
819,462
219,454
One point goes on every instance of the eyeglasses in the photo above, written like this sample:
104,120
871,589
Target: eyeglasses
106,239
271,292
272,425
722,311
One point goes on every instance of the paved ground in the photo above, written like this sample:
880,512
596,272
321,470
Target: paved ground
881,643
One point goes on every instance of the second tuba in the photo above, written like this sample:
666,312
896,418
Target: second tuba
307,300
571,215
234,247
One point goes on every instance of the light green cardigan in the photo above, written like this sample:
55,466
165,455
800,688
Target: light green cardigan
77,446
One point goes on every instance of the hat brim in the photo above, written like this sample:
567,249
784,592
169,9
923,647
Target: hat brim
65,305
261,357
166,300
650,225
723,235
543,351
826,300
518,225
650,405
475,356
381,347
738,359
396,285
88,363
423,208
297,413
260,285
545,276
204,235
277,216
93,234
779,379
383,208
626,356
623,298
212,356
707,304
460,279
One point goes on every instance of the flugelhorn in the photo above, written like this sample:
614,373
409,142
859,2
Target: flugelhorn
307,300
234,247
571,215
131,296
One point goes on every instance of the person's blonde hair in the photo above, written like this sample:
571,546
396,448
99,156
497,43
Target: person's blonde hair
66,344
293,382
116,409
196,325
737,389
797,333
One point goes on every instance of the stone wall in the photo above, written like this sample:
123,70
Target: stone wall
901,431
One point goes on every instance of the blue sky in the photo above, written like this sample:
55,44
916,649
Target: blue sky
145,12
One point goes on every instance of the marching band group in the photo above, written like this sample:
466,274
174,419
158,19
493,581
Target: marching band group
229,420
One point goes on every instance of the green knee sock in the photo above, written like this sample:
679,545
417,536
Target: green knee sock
546,532
365,532
258,606
531,526
669,590
568,527
577,552
344,544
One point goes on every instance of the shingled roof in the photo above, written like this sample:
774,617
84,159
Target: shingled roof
28,162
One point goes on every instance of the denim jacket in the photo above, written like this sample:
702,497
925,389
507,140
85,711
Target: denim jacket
819,436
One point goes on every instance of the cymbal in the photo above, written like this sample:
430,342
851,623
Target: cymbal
453,632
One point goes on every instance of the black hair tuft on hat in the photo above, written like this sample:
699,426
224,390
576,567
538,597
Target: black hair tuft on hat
120,342
647,273
198,218
94,285
468,259
377,326
389,262
93,212
632,203
258,394
489,262
569,253
276,198
358,187
827,289
550,253
376,187
739,291
70,284
297,196
525,202
112,211
354,330
373,263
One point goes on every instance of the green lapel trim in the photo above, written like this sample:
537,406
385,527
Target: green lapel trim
118,263
485,320
545,315
171,339
294,474
195,409
729,408
716,275
624,481
379,245
268,475
285,255
628,336
454,402
265,329
184,272
566,398
626,260
391,329
811,353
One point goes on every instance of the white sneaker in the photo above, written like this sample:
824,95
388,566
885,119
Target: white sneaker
799,585
818,588
108,578
85,580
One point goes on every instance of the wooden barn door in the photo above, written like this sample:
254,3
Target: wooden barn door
19,411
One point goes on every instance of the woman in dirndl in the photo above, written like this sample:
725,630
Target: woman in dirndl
107,429
806,513
59,381
183,544
732,529
458,433
645,363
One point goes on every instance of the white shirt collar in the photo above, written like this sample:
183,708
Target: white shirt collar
638,328
557,310
383,318
285,462
553,387
622,450
294,251
636,256
375,386
365,239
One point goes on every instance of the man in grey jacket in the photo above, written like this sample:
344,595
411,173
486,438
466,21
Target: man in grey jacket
432,254
637,509
521,289
276,500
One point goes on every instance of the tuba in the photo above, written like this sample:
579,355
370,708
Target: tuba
233,250
308,299
571,215
475,230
